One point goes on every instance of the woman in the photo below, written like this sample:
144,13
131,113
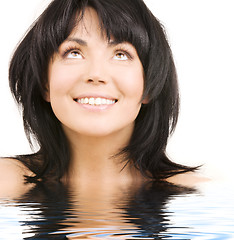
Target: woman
98,90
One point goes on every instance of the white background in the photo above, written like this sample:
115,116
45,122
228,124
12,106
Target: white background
201,36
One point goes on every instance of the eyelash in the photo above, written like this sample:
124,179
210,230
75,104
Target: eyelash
69,50
124,51
118,50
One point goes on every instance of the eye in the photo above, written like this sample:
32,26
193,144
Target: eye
71,53
74,54
120,55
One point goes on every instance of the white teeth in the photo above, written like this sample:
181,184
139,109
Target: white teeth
91,101
103,101
95,101
86,100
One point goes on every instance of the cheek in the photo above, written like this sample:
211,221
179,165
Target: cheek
132,83
60,80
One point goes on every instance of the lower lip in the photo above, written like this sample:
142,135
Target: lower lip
95,108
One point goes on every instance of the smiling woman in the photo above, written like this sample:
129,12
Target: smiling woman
98,89
85,88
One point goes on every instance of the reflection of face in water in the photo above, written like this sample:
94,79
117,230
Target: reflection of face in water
59,212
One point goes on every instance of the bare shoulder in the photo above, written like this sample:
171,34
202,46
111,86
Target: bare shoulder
12,169
188,179
12,174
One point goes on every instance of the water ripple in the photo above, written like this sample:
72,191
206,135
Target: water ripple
153,211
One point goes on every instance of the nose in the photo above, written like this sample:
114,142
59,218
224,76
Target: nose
97,72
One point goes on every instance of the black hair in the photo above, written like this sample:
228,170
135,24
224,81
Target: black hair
125,20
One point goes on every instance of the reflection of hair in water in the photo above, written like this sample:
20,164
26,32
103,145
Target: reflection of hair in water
49,208
125,21
144,208
147,208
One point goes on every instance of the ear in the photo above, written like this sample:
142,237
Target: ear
46,94
145,100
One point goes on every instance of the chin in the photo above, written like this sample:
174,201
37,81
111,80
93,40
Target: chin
97,133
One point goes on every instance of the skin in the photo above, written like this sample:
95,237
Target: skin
89,66
12,179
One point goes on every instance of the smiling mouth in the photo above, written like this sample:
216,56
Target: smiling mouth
95,101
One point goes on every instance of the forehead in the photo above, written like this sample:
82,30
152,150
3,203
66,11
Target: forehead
88,25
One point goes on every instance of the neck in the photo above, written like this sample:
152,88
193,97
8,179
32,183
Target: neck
96,159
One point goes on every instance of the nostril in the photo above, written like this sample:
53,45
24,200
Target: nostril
93,80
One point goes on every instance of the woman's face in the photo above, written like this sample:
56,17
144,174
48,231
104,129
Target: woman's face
94,85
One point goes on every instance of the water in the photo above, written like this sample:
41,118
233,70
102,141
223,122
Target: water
150,211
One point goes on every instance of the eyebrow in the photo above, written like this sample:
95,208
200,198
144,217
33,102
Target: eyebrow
82,42
77,40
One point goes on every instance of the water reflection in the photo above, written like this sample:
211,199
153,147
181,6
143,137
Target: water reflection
57,211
